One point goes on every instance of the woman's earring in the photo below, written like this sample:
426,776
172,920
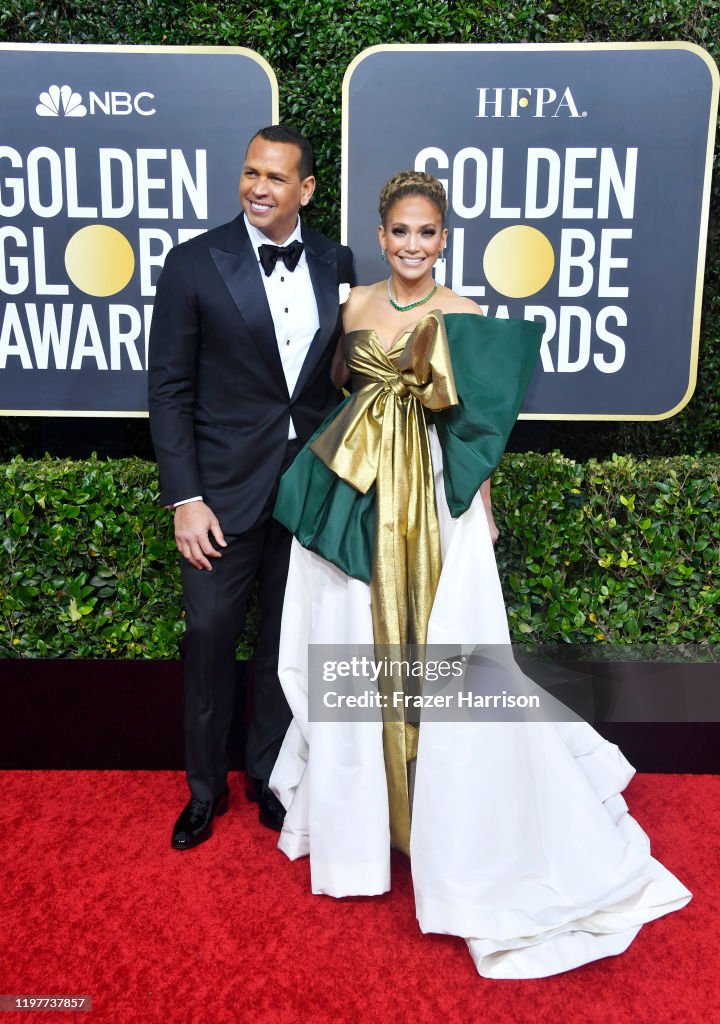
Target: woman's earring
383,255
440,267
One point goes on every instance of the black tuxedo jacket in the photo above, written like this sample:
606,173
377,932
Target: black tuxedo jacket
219,405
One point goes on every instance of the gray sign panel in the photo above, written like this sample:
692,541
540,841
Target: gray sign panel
578,181
108,157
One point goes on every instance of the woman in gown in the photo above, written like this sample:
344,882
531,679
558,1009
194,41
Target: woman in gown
518,837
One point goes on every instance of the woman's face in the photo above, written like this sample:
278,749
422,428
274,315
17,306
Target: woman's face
413,237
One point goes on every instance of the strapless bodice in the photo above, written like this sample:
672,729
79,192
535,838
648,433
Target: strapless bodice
417,363
368,336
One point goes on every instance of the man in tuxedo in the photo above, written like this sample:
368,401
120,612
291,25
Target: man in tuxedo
245,326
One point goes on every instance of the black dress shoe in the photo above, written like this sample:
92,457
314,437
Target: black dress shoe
271,811
193,825
254,789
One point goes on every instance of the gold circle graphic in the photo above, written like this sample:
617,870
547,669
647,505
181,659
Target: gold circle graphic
99,260
518,261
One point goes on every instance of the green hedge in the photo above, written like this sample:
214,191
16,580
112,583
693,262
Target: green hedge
620,551
309,43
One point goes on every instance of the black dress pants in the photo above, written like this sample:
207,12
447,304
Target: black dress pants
215,609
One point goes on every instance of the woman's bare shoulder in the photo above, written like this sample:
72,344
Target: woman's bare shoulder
355,295
452,303
359,299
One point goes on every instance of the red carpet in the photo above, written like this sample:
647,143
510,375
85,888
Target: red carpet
95,902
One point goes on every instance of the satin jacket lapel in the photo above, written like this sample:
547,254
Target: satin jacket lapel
240,272
323,274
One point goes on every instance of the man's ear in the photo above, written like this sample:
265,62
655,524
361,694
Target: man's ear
307,188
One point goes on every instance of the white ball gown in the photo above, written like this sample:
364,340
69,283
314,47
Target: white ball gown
520,841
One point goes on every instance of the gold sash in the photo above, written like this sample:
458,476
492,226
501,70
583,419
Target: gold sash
380,436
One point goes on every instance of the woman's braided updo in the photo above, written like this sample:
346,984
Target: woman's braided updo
412,183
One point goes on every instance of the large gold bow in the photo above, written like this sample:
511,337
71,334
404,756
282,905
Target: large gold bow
380,437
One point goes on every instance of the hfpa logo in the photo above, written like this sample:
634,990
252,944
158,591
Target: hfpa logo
62,101
540,102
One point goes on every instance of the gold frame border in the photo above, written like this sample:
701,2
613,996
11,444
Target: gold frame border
704,210
242,51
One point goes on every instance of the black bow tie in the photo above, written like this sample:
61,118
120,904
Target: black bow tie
270,254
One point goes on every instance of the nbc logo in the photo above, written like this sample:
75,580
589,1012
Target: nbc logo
63,101
60,100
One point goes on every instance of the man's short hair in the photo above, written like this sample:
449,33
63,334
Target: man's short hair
283,133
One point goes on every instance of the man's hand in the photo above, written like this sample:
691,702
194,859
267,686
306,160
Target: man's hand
194,522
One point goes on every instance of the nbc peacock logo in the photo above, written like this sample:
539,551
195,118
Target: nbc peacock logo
60,101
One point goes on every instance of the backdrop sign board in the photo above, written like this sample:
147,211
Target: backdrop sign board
109,156
578,180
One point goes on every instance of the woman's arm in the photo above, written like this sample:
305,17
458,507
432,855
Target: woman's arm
487,502
339,373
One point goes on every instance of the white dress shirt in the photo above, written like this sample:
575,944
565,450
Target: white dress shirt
294,312
293,308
